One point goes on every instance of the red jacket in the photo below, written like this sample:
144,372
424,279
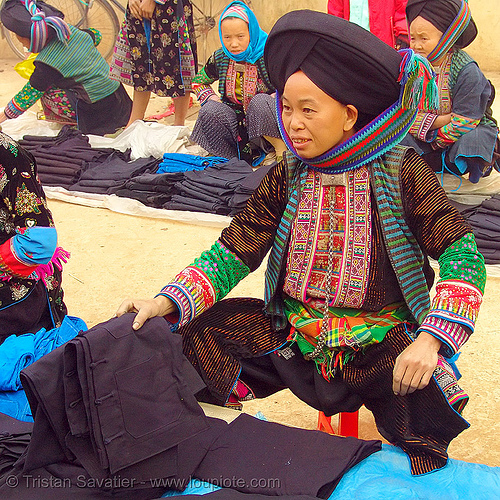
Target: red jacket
387,17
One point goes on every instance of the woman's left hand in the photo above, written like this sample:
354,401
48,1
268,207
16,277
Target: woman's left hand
135,8
416,364
148,7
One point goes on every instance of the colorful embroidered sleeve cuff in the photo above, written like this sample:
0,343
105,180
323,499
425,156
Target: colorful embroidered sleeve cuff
459,294
203,93
421,128
23,100
452,335
35,245
458,126
210,278
24,252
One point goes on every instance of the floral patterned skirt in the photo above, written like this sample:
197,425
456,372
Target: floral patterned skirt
161,60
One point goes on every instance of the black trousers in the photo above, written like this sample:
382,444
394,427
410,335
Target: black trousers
117,402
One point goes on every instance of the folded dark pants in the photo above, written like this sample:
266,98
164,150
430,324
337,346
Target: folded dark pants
274,459
14,438
179,202
118,402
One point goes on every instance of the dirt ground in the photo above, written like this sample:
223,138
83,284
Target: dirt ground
114,256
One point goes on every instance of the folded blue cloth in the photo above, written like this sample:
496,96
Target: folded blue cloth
47,341
15,404
180,162
16,353
19,351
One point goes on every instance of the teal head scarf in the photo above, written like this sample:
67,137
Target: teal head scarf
258,37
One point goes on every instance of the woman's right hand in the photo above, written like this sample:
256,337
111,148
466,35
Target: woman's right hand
145,309
441,121
135,8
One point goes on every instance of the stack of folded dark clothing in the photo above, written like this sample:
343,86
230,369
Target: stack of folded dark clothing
14,438
485,222
153,190
247,186
61,159
210,190
116,417
100,177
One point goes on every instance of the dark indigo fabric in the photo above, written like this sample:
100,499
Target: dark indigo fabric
14,438
61,159
274,459
99,177
485,222
116,402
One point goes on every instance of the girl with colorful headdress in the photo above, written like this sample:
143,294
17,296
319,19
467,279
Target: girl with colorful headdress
349,218
461,137
241,122
71,77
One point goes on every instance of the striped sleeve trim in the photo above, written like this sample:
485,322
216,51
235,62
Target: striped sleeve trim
453,314
457,299
422,127
203,93
192,291
458,126
22,101
452,335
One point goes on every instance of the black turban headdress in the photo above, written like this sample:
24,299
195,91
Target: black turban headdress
344,60
441,14
352,66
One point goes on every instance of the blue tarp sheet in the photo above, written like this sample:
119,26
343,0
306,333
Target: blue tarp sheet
386,476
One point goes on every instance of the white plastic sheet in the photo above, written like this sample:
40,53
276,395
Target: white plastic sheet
29,124
149,139
129,206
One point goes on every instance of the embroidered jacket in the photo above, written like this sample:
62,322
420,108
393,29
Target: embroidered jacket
253,80
28,239
465,93
433,228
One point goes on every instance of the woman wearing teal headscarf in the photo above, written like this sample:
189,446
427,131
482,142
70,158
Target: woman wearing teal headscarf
242,121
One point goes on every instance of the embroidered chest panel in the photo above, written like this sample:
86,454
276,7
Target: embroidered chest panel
307,260
443,82
241,82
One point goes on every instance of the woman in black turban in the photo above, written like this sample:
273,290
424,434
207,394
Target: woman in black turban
461,137
348,216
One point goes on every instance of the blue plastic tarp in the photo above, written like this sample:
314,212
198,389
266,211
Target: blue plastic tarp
385,475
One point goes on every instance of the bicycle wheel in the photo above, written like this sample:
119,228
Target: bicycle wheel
98,14
102,16
73,12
